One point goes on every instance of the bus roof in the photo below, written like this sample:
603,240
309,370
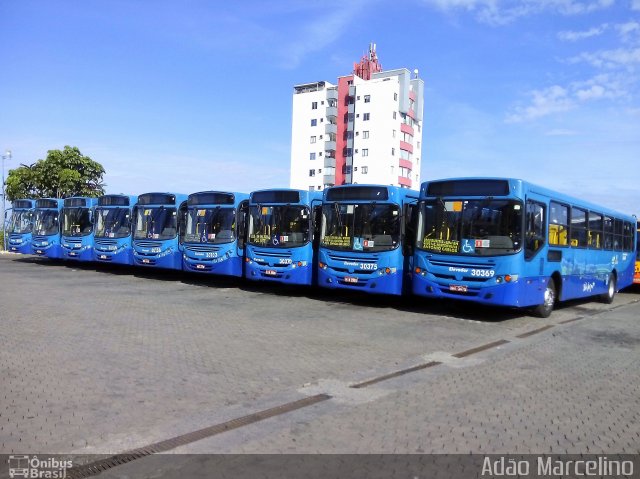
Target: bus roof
502,186
156,198
216,198
49,203
284,195
369,192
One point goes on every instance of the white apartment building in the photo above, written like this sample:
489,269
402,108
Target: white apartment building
365,129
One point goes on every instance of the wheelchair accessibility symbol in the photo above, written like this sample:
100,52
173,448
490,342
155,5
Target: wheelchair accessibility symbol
468,246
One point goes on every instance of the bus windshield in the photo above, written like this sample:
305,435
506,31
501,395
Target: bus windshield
155,222
76,221
20,222
45,222
113,223
281,226
209,225
360,227
470,227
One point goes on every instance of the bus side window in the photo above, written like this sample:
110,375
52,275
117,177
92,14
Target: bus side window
535,228
558,224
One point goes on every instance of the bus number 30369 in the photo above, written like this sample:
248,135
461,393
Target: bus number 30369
483,273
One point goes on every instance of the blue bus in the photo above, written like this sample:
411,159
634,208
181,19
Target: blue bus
280,236
76,228
20,226
503,241
45,235
155,230
212,232
112,229
365,238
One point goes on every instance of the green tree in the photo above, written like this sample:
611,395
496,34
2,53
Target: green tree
61,174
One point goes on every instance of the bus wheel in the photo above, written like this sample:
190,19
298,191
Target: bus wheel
544,310
607,297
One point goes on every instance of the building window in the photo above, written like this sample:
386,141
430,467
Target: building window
313,139
365,134
365,152
395,97
314,122
319,188
364,170
394,115
394,133
367,98
366,117
314,105
405,172
312,172
312,156
319,170
393,152
418,145
311,188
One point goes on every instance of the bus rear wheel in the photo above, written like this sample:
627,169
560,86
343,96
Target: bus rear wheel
544,310
607,297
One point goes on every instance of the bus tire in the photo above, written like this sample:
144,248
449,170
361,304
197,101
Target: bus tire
607,297
545,309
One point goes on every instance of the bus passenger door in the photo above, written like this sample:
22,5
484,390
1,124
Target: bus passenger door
241,229
182,224
316,225
410,222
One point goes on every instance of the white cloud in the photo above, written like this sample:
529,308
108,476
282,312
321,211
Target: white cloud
571,36
554,99
557,99
612,59
635,5
561,132
499,12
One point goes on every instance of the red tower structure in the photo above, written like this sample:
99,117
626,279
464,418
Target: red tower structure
368,64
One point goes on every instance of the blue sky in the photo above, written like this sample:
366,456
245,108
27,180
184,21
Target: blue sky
195,95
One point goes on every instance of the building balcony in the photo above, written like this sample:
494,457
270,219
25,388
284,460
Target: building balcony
332,112
404,128
404,181
405,164
412,95
329,146
351,108
330,128
332,94
329,162
411,114
352,90
406,146
329,180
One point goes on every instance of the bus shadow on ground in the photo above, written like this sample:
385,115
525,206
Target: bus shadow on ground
458,309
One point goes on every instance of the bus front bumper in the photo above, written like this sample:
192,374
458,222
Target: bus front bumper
289,274
226,266
519,293
375,283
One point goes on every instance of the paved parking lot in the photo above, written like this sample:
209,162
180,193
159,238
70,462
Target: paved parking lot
102,361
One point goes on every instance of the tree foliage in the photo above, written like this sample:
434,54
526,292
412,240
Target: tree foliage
63,173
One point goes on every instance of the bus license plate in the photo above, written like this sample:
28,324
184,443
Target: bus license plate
349,279
146,261
458,288
103,256
200,266
271,272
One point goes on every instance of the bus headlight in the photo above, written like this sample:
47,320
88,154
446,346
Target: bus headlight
321,265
